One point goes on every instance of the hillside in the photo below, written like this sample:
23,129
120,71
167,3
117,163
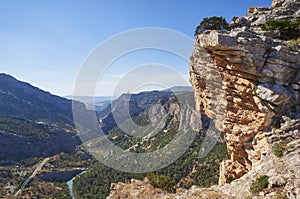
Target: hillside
20,99
135,103
33,123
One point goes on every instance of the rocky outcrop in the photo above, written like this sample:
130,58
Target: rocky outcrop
283,171
280,9
260,77
143,190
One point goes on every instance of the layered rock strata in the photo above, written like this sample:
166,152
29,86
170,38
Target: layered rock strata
260,77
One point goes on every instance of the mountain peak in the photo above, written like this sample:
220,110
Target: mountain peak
6,76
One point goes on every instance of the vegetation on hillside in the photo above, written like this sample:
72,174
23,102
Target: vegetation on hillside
42,189
48,183
289,28
96,183
13,177
22,127
279,149
21,139
202,172
22,100
259,184
77,158
161,181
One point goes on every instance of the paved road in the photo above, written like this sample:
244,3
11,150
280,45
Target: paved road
39,167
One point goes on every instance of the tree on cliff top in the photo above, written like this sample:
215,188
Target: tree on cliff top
211,23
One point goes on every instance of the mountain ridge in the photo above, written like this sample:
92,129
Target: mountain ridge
33,123
21,99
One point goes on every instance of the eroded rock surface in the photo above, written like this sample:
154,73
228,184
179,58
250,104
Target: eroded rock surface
143,190
260,76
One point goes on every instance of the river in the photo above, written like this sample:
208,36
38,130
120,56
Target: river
70,183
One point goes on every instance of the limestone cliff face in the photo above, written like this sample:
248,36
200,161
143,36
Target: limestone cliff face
248,81
260,78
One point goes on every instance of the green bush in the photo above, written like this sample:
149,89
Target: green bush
230,179
211,23
279,150
259,184
161,181
289,29
255,89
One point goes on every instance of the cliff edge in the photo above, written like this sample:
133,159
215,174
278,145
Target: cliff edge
259,75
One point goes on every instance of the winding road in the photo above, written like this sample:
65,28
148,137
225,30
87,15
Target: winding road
38,168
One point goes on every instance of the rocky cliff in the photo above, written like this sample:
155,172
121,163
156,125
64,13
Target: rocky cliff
259,76
248,81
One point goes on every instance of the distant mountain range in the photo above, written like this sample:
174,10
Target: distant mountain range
180,89
90,99
99,103
136,103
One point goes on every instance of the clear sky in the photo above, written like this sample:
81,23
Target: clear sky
44,42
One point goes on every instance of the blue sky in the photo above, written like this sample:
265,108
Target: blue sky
44,42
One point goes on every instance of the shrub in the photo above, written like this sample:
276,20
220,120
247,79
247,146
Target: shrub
289,29
230,179
279,150
255,89
259,184
294,44
161,181
211,23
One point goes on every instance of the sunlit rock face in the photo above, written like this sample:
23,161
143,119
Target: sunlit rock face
260,77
